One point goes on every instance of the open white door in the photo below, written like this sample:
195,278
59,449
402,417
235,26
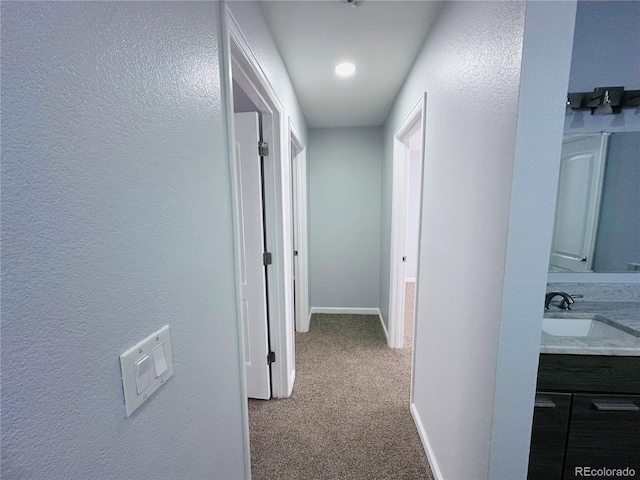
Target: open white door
254,300
412,125
578,208
295,239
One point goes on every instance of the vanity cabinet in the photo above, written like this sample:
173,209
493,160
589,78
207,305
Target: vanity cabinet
587,414
605,432
549,435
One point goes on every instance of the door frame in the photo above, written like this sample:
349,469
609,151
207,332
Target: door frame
240,64
414,121
301,225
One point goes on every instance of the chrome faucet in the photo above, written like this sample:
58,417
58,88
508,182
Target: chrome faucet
568,299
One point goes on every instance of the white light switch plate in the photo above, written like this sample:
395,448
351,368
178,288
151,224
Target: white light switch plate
128,360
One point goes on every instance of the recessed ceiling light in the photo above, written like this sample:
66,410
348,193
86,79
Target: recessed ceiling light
345,69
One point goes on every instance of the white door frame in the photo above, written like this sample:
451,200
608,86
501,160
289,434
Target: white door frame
301,226
240,64
416,120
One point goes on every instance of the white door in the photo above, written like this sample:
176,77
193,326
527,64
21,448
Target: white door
578,205
295,239
254,301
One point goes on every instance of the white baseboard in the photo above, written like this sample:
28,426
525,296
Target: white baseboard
293,379
347,310
410,279
384,327
425,443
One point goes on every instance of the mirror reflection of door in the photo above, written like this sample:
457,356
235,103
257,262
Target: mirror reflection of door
578,203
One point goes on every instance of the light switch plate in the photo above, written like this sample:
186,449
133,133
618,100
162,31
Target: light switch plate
136,353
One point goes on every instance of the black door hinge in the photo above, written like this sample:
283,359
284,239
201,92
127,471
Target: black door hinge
266,258
271,358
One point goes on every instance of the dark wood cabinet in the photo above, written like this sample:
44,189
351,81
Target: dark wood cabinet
549,435
581,420
604,432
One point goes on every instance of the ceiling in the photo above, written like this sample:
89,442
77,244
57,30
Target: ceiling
381,37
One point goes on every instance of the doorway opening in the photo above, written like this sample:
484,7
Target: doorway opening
298,156
252,244
408,159
246,88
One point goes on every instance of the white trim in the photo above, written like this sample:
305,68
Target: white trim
384,327
399,200
346,310
240,64
410,280
291,382
433,463
302,273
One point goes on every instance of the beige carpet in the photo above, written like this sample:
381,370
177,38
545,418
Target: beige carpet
348,416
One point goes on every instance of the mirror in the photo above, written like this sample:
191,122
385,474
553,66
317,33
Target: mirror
597,224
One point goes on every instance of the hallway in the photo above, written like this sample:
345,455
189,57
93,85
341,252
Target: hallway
348,416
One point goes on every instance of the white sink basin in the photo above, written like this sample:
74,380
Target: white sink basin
580,327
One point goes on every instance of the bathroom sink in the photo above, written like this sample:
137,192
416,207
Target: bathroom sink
580,327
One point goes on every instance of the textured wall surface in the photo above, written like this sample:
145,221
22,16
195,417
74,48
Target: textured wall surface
488,182
344,206
256,31
472,83
548,35
116,220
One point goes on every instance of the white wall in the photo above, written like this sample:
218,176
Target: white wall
413,211
344,206
472,82
544,76
256,30
116,220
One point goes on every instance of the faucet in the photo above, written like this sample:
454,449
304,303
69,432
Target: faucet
568,299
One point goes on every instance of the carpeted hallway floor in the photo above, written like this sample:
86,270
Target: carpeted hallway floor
348,416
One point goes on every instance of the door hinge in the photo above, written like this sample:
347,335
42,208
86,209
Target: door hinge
263,149
271,358
266,258
295,253
404,259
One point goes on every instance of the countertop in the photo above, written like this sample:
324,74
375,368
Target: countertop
623,315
